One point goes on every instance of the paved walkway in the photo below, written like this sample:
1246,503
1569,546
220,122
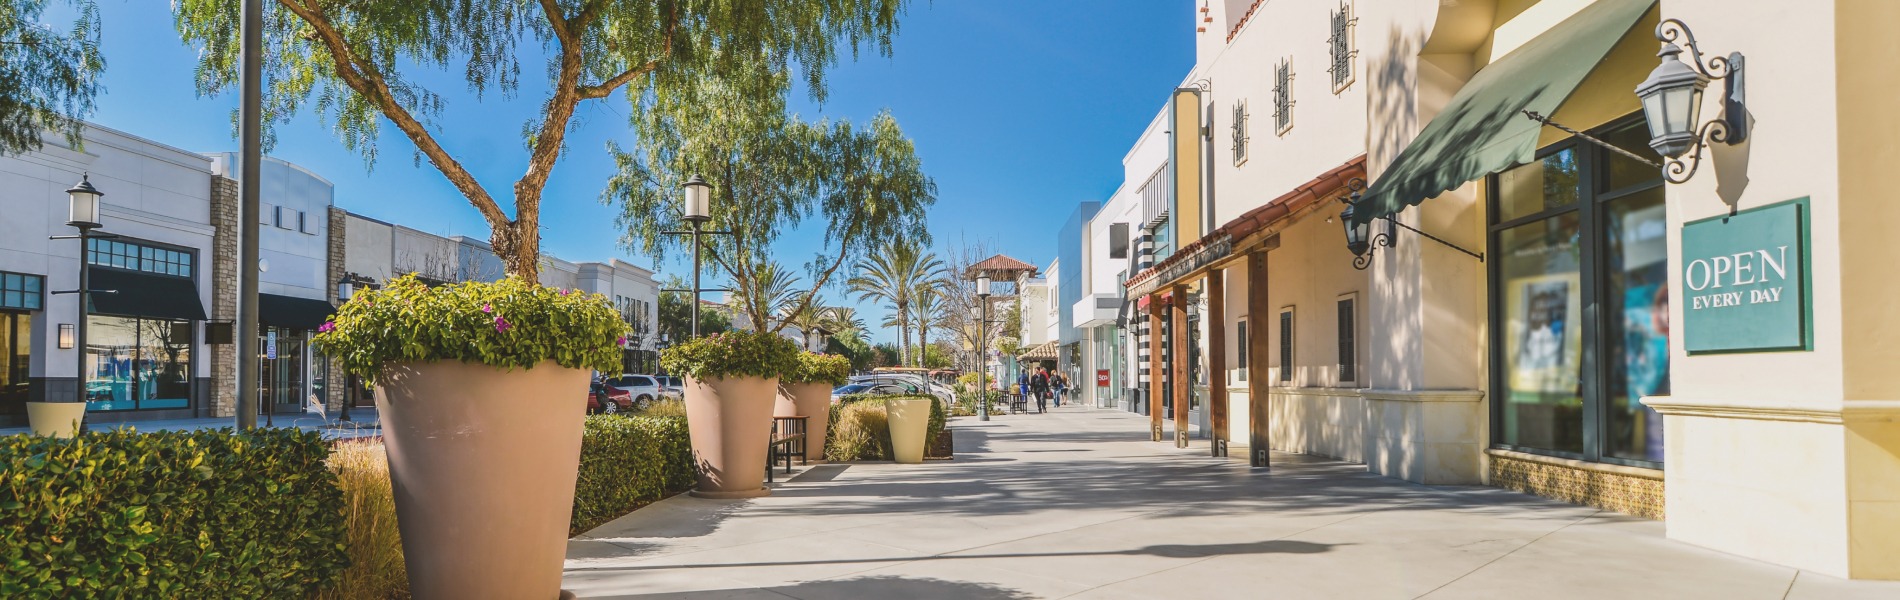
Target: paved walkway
1077,503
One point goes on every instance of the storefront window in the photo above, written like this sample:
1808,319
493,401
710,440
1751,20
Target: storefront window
1581,302
134,363
16,350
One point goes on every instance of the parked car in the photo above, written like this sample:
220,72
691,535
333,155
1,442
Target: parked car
618,401
888,387
912,383
645,388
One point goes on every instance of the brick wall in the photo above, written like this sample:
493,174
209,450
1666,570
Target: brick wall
224,293
1626,490
337,385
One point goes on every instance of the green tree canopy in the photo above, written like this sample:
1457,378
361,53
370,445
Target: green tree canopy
48,76
676,317
771,172
892,275
361,63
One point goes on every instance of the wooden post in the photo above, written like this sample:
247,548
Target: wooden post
1178,373
1154,364
1217,361
1259,385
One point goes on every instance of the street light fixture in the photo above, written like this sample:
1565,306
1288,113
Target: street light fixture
82,211
982,347
1672,102
697,212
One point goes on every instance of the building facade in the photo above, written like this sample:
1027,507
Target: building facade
1386,242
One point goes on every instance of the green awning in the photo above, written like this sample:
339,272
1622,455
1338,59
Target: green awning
1483,130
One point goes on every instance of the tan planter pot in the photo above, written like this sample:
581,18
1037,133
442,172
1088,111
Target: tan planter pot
730,420
483,463
812,401
55,419
910,422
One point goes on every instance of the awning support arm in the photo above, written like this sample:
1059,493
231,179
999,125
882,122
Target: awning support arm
1587,137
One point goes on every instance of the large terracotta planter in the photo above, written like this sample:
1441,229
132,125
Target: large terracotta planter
910,422
55,419
812,401
483,464
730,420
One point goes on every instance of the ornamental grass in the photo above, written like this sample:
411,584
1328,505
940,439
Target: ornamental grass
374,543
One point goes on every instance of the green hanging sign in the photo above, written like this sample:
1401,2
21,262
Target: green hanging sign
1745,281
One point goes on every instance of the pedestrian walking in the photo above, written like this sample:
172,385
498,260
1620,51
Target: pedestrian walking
1039,383
1057,385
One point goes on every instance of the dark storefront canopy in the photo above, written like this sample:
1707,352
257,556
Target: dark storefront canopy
1483,129
295,313
145,295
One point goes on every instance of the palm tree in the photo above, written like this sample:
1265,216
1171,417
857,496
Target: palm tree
843,322
927,311
891,274
813,318
769,294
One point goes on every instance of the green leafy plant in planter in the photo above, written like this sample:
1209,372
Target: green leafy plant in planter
509,324
732,354
817,367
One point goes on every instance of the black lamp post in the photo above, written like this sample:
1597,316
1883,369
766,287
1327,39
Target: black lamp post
1672,102
982,348
697,212
345,290
82,213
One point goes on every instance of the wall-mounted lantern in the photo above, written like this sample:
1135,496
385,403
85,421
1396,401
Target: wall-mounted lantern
65,336
1672,102
1361,241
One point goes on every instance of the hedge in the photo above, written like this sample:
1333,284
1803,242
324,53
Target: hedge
861,430
204,514
628,462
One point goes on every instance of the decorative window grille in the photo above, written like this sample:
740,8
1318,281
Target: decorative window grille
1348,350
1286,344
1240,132
1341,47
1283,96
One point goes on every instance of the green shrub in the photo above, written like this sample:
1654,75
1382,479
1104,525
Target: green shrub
369,516
814,367
508,323
732,354
937,420
628,462
200,514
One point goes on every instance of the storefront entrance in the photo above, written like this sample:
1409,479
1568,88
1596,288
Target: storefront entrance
283,370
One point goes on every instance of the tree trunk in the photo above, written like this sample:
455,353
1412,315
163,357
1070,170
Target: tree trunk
518,246
903,335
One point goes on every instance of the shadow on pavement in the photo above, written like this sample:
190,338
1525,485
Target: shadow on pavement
862,587
1163,550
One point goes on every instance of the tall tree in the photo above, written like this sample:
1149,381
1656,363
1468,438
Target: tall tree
770,173
927,311
843,322
362,63
48,76
892,275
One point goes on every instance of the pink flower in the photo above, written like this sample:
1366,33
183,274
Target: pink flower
326,327
501,325
488,309
563,292
621,342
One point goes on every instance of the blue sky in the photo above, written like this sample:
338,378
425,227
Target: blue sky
1020,110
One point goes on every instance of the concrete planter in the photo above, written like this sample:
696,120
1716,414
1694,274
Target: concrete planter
730,420
55,419
483,464
812,401
910,422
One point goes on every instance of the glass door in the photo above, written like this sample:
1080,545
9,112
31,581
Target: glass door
281,370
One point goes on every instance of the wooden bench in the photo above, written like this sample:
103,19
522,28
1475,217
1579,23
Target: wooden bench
788,440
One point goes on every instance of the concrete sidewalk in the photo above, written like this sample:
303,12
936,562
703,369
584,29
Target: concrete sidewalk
1077,503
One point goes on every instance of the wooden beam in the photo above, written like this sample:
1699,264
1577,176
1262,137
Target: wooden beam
1154,364
1217,360
1259,385
1178,371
